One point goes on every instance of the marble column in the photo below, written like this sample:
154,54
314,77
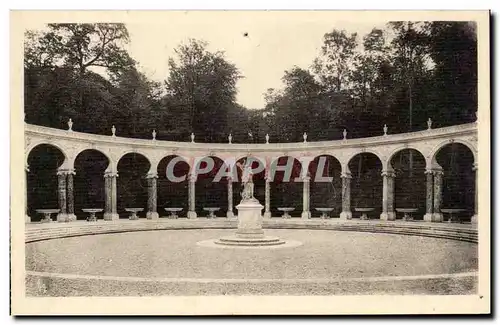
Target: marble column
437,216
476,197
388,196
27,218
110,211
70,195
152,196
267,204
429,199
192,198
62,216
306,213
346,213
230,213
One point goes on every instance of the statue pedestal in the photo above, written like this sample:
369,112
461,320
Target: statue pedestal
250,232
249,219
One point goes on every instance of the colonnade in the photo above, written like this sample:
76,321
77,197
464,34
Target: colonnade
434,189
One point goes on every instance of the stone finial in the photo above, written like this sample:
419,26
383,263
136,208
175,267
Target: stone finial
154,134
113,131
385,129
192,137
429,124
267,138
305,137
230,138
344,133
70,125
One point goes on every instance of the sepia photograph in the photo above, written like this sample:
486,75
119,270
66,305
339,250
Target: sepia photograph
250,162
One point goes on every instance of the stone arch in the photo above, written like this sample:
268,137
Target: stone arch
457,162
379,155
432,158
398,150
79,152
409,183
122,154
32,146
325,184
132,184
210,191
284,182
172,183
366,182
42,164
89,185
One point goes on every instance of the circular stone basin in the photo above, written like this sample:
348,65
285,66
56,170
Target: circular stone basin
239,241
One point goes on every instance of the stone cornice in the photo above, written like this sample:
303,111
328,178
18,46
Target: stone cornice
79,137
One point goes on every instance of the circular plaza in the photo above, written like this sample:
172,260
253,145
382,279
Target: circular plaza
169,262
111,216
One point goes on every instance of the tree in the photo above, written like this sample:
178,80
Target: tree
453,49
81,46
367,65
61,79
409,59
203,85
334,64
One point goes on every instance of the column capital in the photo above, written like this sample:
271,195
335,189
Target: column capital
345,175
305,178
388,173
475,166
27,168
66,171
110,174
438,172
192,178
152,175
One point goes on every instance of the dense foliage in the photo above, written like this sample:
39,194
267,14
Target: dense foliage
399,76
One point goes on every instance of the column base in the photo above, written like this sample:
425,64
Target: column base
109,216
473,219
27,219
306,215
428,217
191,215
62,217
267,215
437,217
71,217
152,215
230,215
346,215
389,216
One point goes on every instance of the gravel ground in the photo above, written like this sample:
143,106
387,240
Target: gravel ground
41,286
174,254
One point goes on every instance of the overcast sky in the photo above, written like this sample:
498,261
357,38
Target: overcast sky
275,43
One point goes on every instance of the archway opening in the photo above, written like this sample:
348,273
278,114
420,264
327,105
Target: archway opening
458,192
286,186
43,163
409,183
89,181
132,185
366,184
211,192
172,191
326,184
